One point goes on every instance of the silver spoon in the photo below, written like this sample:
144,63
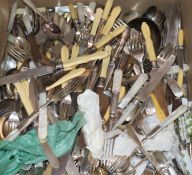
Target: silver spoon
50,28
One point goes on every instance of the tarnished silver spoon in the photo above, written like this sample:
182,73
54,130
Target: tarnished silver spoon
50,28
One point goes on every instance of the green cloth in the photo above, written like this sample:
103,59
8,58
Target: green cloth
26,149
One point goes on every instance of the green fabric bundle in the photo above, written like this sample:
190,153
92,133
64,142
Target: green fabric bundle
26,149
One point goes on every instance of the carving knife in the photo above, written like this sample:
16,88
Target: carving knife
43,70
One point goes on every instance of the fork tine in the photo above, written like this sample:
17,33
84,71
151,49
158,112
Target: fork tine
166,51
12,51
115,25
72,85
121,22
15,56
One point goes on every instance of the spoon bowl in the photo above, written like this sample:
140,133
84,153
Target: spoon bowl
51,29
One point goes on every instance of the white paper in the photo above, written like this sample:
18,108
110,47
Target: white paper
88,102
124,145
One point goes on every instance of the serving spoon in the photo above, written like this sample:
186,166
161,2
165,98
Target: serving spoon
50,28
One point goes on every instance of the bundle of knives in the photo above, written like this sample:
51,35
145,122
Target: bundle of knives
133,63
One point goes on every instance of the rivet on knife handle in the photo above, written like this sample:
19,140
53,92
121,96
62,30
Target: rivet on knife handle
105,62
111,20
148,41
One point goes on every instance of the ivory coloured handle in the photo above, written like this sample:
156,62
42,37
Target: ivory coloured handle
73,74
111,20
107,9
85,59
105,62
148,41
181,37
72,11
96,21
105,39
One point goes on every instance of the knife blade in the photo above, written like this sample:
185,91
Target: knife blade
43,70
158,95
33,93
156,77
111,66
172,117
180,57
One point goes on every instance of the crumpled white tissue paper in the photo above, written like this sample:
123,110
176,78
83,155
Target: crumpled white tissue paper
88,102
124,145
163,141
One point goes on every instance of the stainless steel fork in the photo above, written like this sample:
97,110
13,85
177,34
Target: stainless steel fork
65,107
118,23
107,153
72,85
136,47
17,54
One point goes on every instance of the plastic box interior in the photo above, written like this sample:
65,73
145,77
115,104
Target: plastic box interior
140,5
